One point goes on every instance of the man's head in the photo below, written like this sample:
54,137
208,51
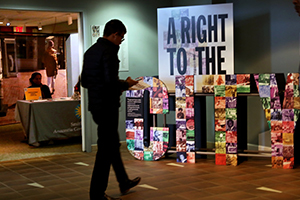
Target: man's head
297,6
114,31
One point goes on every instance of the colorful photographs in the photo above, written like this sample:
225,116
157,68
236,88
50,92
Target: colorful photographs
185,123
282,118
159,136
226,89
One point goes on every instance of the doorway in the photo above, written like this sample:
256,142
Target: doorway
22,45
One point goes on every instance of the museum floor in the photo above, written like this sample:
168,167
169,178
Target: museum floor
67,176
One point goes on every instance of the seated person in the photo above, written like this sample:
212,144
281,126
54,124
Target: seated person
36,81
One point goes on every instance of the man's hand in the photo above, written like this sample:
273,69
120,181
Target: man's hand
131,82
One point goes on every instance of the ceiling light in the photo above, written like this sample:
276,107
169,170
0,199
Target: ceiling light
70,20
6,22
40,26
1,22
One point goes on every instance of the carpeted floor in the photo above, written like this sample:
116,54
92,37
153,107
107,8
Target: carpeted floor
14,147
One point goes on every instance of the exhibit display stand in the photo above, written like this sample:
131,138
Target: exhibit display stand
230,103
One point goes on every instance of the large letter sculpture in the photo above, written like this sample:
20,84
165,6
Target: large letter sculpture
159,136
281,119
225,89
225,119
185,123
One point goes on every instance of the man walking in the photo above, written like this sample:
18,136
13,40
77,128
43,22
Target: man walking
100,76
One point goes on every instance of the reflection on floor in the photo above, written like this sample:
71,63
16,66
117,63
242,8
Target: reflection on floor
13,90
67,176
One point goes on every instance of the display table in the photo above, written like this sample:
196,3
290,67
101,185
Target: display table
45,120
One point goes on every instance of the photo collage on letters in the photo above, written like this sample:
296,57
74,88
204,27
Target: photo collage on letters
159,136
185,122
281,119
225,89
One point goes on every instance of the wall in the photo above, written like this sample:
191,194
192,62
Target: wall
266,38
266,41
140,20
60,28
72,58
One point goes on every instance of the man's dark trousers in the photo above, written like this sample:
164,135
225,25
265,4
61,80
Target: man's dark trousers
107,119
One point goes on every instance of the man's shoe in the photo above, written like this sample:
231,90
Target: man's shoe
124,188
106,197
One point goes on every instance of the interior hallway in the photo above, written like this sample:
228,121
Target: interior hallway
67,176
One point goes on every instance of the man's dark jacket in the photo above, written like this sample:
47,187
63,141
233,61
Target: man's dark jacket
100,75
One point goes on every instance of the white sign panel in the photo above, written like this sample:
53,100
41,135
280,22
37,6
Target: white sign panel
195,40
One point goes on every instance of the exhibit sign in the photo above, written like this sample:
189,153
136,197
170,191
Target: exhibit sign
33,93
195,40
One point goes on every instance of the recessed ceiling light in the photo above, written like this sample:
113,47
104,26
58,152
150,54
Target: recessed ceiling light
40,26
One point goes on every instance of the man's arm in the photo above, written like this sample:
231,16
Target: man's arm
131,82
